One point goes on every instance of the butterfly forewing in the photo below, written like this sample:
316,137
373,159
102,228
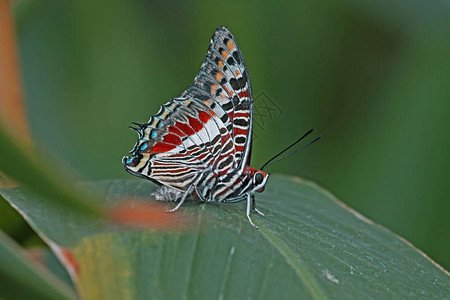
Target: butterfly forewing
224,78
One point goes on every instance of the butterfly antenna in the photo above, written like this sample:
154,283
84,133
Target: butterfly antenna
289,147
274,159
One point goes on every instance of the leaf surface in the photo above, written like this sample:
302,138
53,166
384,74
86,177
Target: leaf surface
22,279
309,246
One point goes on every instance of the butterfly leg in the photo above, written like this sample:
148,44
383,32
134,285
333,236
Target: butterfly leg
249,206
254,205
182,200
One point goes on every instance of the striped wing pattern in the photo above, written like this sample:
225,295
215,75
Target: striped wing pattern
223,78
203,135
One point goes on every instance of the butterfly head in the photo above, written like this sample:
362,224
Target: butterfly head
258,178
259,181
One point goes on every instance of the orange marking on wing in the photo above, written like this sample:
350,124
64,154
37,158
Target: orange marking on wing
228,92
214,88
230,46
220,63
219,76
225,54
237,73
208,102
161,148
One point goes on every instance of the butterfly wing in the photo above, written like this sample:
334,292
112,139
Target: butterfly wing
208,127
224,78
178,144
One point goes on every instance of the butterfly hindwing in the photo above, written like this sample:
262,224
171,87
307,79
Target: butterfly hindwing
179,143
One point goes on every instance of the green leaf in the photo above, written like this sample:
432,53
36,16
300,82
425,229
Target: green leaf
309,246
20,278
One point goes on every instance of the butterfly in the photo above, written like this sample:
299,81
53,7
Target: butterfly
199,143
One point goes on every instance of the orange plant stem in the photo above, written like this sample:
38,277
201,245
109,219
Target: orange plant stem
13,120
12,113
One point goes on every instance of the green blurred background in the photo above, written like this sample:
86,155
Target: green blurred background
371,76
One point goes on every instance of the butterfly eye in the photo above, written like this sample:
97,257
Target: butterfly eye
259,178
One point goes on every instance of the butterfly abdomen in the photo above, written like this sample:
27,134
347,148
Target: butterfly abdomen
166,193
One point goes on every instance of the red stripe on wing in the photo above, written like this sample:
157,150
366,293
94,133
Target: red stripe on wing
173,171
185,128
204,116
195,124
238,131
241,114
243,94
171,139
175,130
161,148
